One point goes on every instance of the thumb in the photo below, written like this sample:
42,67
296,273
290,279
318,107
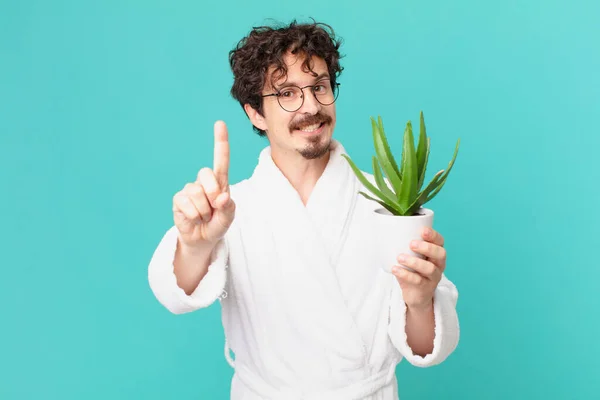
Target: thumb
224,203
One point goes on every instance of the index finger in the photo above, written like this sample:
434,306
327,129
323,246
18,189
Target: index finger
221,155
433,236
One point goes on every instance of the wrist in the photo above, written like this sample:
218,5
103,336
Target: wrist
197,249
424,308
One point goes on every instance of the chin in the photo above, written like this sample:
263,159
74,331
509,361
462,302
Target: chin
315,146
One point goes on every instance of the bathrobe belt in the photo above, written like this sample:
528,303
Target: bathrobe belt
355,390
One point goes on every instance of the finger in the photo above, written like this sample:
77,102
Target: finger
431,235
182,204
435,253
222,200
208,181
221,155
424,268
404,275
226,205
197,195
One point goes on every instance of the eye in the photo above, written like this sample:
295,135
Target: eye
288,93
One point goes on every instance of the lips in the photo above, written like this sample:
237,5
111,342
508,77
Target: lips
311,123
314,132
311,128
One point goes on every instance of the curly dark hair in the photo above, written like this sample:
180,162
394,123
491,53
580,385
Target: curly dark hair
266,46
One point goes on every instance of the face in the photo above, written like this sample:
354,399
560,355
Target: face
307,131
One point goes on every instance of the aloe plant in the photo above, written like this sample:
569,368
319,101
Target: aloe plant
404,195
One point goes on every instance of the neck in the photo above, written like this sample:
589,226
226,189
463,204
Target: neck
302,174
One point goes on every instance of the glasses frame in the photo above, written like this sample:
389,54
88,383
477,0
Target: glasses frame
278,95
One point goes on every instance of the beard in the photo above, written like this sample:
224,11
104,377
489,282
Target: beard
316,146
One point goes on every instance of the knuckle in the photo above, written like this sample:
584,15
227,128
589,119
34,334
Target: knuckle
179,193
184,199
211,192
187,203
179,198
209,182
206,213
191,189
440,238
196,190
175,197
203,206
188,211
429,269
203,173
442,253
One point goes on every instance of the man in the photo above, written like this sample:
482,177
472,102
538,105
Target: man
307,310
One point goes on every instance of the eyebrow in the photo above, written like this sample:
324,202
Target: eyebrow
288,83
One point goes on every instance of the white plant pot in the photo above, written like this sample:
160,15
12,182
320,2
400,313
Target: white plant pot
395,232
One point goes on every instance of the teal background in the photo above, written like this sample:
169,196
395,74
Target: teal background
107,108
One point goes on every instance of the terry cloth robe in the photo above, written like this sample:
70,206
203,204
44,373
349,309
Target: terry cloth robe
307,311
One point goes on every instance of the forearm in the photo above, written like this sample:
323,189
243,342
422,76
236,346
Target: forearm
191,265
420,330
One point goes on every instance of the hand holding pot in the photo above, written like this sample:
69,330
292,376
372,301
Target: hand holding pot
418,286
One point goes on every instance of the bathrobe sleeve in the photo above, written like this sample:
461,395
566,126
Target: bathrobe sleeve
447,330
164,284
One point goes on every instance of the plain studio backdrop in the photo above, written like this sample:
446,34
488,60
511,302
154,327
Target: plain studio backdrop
107,109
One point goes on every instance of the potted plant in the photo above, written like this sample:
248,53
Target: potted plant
400,195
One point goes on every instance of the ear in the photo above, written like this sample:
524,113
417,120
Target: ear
256,119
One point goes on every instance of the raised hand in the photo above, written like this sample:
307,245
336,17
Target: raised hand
203,210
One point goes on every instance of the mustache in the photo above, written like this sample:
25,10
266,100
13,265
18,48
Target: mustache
310,120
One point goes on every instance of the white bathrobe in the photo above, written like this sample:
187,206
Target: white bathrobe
307,310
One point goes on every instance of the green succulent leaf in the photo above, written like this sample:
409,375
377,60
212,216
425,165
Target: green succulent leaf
384,137
401,192
445,176
422,197
369,185
422,152
391,209
386,144
408,190
384,155
381,183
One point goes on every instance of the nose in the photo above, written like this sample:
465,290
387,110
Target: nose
310,105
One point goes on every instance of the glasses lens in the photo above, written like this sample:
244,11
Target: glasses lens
291,98
325,93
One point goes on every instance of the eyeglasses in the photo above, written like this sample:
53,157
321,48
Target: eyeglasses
291,98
